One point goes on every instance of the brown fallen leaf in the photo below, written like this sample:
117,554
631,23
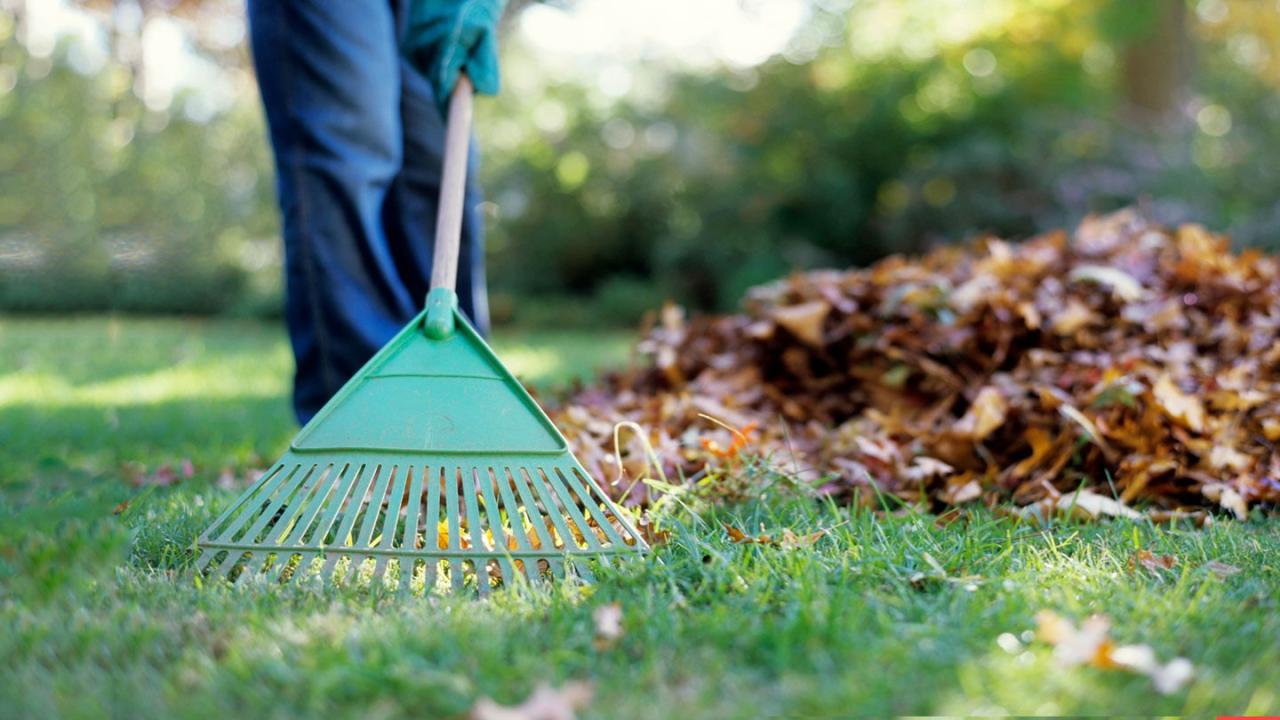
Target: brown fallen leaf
124,505
804,320
791,540
651,534
1152,562
1155,344
787,539
738,537
545,703
608,625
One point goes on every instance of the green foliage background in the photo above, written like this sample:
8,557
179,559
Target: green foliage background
828,156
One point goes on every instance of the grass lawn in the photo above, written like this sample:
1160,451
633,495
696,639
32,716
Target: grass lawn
882,615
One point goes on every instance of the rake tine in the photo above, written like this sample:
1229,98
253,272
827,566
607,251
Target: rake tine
253,505
601,507
557,567
323,486
280,571
549,503
455,532
364,477
410,537
205,558
291,486
432,529
495,523
297,525
394,497
531,508
430,571
475,530
304,563
229,563
330,565
261,490
555,479
582,571
574,485
514,517
370,521
408,568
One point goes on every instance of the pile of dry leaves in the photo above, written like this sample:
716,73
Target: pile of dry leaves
1138,361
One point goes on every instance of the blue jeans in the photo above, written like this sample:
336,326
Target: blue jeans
358,141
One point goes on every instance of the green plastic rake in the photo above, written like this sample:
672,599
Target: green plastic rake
431,469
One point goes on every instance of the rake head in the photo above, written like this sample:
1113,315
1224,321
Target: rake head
431,470
423,528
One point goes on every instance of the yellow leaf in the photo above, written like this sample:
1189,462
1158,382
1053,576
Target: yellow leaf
1184,409
987,413
1090,430
1073,318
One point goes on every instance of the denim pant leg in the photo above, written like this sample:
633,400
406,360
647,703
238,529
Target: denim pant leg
330,75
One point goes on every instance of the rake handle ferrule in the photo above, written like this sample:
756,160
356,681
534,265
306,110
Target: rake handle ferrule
441,304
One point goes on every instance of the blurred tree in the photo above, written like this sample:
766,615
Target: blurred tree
886,126
1156,52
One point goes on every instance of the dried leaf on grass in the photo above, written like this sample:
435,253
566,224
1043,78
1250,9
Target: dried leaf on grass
1091,644
1150,561
163,475
1082,505
1139,360
787,539
545,703
608,625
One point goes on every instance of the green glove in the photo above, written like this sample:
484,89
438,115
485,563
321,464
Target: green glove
446,37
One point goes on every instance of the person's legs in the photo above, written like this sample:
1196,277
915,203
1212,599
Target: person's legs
410,214
329,73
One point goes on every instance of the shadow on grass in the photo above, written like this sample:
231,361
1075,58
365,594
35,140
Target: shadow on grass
102,439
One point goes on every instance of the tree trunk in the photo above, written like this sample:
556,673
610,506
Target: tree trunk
1157,65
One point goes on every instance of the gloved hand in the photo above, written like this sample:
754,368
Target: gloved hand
446,37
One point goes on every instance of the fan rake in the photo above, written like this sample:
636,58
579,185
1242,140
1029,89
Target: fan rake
431,468
421,527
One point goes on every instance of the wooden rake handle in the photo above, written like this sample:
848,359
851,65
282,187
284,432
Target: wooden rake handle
453,187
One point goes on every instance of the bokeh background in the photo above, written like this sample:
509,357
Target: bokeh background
645,151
